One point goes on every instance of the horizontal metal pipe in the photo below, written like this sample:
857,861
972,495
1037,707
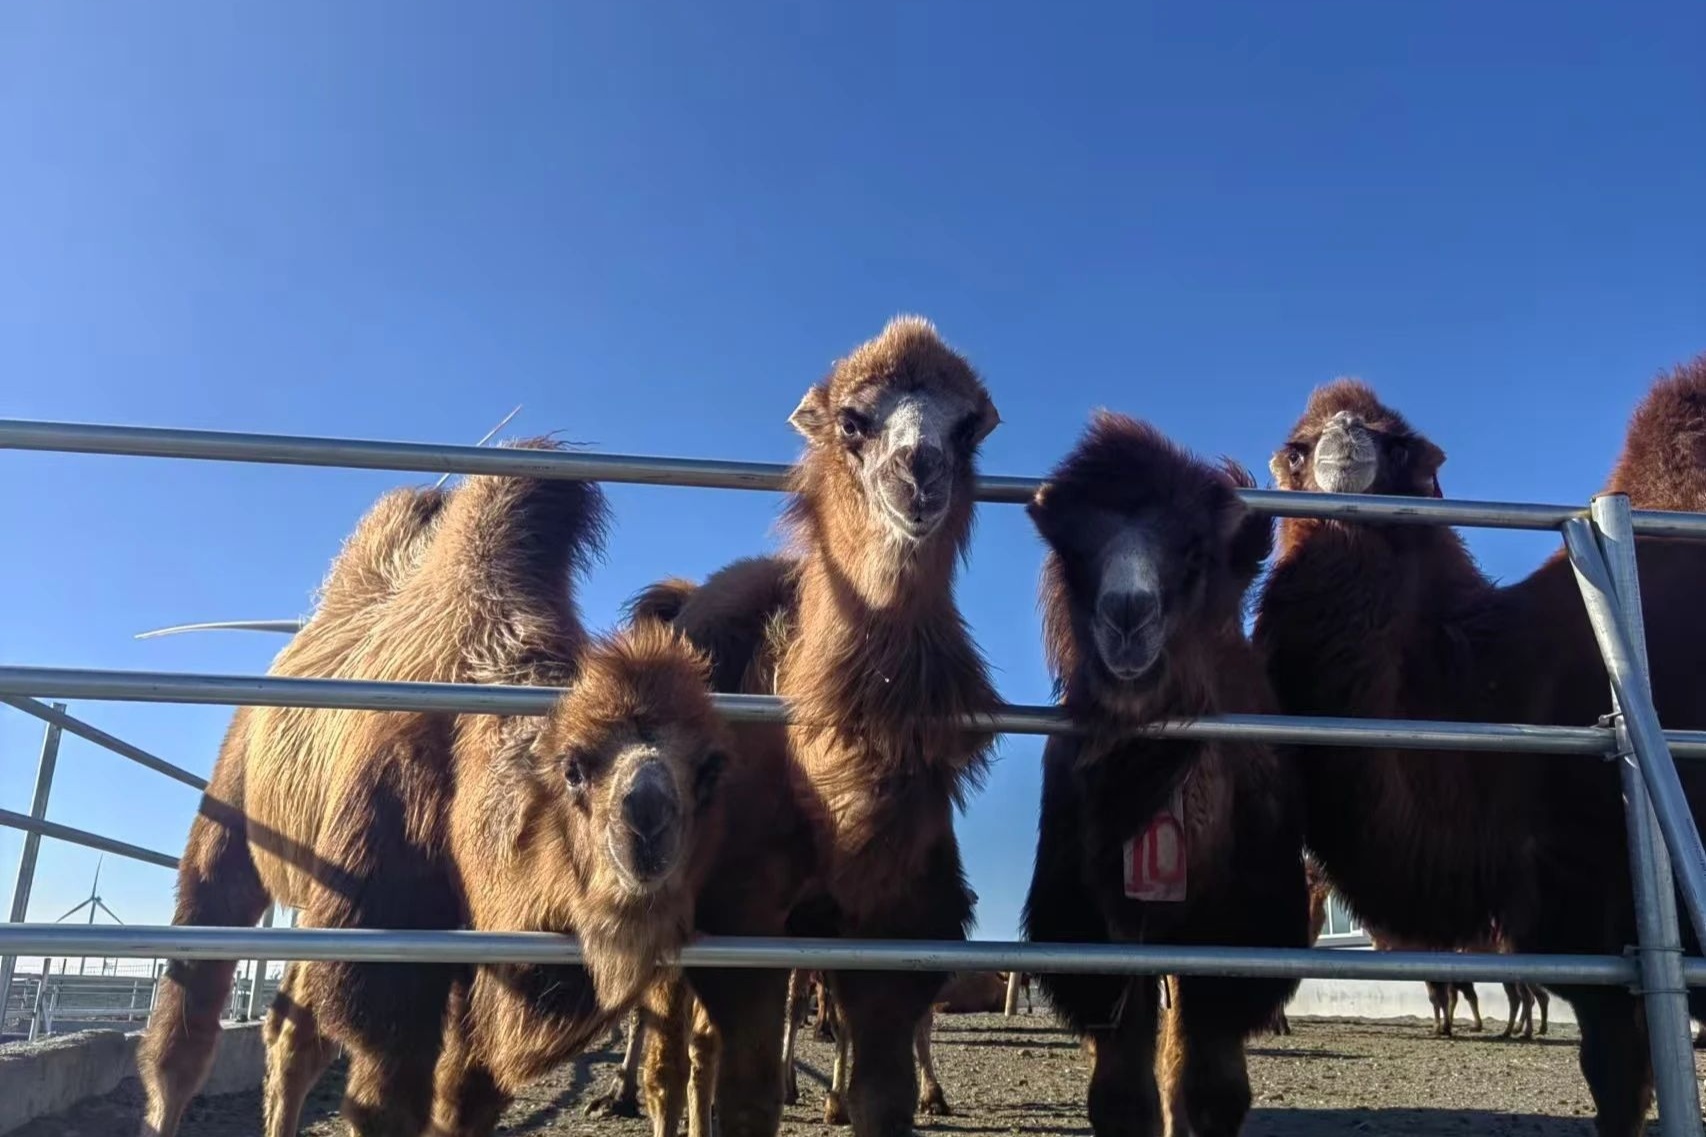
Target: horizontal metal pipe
467,698
368,454
28,824
873,955
101,738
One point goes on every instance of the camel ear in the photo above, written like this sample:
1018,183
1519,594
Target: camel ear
811,417
1249,539
988,418
1428,459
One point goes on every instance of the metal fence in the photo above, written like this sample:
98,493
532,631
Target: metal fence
1600,542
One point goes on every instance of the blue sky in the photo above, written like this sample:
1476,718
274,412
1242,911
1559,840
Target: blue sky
655,225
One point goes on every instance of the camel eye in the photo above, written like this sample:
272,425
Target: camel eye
1295,453
853,425
575,770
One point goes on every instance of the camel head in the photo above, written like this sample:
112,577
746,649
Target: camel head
634,752
893,433
1150,551
1349,442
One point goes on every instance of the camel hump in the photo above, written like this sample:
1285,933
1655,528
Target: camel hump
659,603
733,615
381,553
518,535
1663,464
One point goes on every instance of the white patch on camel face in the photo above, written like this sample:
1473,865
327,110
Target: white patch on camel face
907,423
1129,565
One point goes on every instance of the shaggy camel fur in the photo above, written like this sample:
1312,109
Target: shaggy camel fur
1396,621
594,820
859,631
1144,840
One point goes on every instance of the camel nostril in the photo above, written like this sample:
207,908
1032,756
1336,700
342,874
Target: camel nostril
1128,611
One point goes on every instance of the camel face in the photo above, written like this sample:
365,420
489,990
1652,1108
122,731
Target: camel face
631,758
905,415
1349,442
1148,548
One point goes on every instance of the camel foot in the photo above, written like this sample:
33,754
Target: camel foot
834,1112
933,1103
617,1101
790,1092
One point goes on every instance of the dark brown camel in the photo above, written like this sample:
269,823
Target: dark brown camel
1396,621
1320,892
1144,840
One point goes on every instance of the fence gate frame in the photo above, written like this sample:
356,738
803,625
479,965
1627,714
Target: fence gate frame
1665,851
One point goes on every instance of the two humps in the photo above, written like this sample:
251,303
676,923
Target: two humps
596,819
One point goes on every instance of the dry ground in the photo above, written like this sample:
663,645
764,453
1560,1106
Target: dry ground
1023,1076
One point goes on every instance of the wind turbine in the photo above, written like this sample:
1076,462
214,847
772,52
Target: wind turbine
289,627
95,905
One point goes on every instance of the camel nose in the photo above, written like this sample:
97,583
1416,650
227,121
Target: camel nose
1128,611
650,808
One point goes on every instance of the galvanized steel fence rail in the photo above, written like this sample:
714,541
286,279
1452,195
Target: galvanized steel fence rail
1664,839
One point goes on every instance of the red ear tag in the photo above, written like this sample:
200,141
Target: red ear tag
1155,860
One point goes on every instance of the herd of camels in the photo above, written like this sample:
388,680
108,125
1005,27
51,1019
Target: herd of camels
634,817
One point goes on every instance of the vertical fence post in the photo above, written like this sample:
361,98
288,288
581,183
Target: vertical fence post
253,1011
1660,936
32,845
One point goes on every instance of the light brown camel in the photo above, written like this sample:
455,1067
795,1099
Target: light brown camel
858,629
594,820
1396,621
1320,894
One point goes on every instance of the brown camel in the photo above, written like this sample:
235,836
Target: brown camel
1320,892
595,820
1150,554
1396,621
1443,995
858,629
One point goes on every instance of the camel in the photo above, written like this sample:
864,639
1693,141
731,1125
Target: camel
1150,553
857,627
597,819
1396,621
1443,995
1320,892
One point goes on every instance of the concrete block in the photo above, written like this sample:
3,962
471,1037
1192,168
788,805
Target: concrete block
41,1078
54,1074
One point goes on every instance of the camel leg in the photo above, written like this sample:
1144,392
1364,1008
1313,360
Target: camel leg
467,1100
880,1014
1170,1069
621,1097
389,1094
1473,998
790,1035
746,1009
704,1057
664,1073
1124,1100
217,886
1614,1059
931,1100
297,1055
824,1031
1542,997
835,1100
1215,1016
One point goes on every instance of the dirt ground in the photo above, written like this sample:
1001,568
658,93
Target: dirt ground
1024,1076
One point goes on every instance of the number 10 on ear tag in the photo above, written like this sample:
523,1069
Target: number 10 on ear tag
1155,859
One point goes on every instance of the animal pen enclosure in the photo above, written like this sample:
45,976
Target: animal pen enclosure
1663,839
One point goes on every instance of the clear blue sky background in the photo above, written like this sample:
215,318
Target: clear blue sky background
654,225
